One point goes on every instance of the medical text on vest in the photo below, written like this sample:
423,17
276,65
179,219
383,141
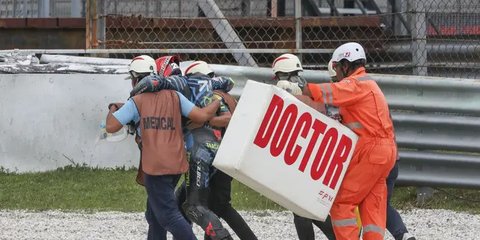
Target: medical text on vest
158,123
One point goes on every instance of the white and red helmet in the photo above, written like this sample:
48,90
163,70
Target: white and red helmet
142,64
168,65
286,63
198,67
351,52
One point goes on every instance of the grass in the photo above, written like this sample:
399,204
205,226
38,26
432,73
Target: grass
462,200
72,188
90,189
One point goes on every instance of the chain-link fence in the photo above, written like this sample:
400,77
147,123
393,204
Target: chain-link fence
424,37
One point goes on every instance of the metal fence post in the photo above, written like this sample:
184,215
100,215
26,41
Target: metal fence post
101,27
298,25
91,24
419,37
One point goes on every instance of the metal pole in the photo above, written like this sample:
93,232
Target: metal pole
101,31
397,12
298,24
419,37
170,51
226,31
274,9
361,6
91,22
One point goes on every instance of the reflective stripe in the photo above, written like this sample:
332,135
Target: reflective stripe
330,92
327,93
324,93
373,228
366,77
354,125
345,222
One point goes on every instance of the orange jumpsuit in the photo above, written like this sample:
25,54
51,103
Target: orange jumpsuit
364,109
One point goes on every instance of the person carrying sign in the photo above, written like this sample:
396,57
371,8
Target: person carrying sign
364,110
395,224
286,68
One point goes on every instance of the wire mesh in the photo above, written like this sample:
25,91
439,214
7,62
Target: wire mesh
427,37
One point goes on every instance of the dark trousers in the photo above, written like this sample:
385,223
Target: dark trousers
219,199
219,202
201,155
162,212
305,231
395,223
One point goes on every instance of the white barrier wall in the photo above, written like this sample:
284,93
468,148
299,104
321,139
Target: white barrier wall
53,120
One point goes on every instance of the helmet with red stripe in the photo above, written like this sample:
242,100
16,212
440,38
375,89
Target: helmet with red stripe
199,67
286,63
141,66
168,65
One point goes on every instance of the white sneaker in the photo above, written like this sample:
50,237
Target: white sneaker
408,236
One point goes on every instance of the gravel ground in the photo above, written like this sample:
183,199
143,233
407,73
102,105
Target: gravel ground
424,224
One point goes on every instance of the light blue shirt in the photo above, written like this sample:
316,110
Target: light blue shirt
129,112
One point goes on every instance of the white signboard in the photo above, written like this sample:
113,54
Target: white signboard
286,150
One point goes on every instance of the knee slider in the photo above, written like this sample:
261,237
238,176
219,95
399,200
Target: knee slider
222,234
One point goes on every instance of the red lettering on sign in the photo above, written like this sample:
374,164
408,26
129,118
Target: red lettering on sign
336,166
282,128
328,144
304,123
318,128
271,116
285,127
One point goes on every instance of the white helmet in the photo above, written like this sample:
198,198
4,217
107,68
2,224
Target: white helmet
331,71
198,67
351,51
286,63
143,64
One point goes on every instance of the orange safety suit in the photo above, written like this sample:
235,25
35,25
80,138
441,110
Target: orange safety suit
364,109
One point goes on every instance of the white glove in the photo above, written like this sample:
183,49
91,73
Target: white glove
290,87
